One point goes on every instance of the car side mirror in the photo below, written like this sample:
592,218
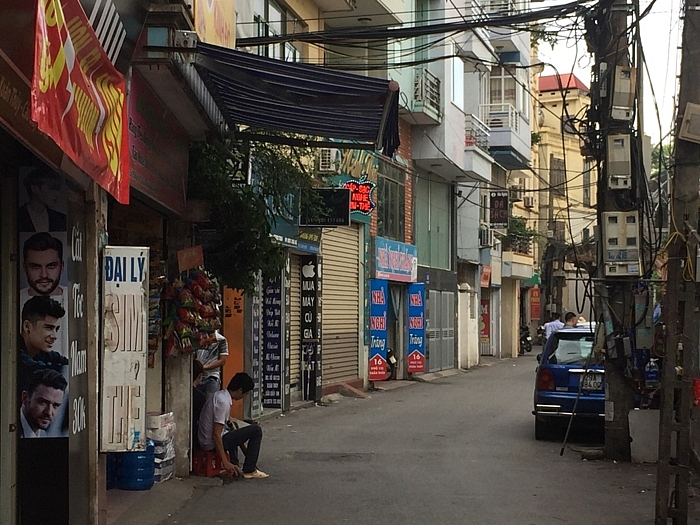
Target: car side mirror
539,358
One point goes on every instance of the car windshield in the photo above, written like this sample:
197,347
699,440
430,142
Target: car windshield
571,349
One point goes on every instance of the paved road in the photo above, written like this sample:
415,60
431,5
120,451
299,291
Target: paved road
457,451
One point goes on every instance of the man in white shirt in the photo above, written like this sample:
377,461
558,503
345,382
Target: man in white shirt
41,402
213,434
213,357
553,326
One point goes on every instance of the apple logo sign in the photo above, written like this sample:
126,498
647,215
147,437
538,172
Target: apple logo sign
308,271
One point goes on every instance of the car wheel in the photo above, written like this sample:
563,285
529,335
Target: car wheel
543,429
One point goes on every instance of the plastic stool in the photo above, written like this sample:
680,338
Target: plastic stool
207,463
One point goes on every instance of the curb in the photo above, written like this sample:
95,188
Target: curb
434,376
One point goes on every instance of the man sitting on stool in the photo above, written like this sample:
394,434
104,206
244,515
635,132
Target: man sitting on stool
213,434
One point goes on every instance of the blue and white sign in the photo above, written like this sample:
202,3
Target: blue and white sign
378,313
416,328
396,261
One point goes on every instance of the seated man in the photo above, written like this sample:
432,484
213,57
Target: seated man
213,434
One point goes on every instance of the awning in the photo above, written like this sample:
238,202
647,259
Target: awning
299,98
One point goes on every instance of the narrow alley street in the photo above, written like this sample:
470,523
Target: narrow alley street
458,450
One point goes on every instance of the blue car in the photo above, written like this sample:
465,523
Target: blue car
565,367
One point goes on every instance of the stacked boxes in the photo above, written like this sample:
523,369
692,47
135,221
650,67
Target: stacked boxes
161,430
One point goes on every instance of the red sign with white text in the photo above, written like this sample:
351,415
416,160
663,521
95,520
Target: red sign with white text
78,97
535,303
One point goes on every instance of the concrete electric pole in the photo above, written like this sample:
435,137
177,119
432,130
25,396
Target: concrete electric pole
680,306
617,149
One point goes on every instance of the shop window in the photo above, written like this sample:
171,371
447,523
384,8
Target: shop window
272,19
433,221
391,201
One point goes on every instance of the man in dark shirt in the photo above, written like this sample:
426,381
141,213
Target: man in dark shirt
40,317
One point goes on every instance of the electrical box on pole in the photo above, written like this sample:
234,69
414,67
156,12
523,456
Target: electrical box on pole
621,239
619,162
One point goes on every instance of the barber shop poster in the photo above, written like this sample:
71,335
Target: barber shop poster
43,356
379,292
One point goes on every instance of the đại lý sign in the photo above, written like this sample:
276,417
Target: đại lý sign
78,97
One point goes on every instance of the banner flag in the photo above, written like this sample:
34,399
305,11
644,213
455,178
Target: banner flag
78,97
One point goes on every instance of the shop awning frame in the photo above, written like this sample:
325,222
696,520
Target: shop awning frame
304,99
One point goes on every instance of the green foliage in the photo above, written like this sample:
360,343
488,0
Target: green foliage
237,239
535,138
517,226
661,156
539,34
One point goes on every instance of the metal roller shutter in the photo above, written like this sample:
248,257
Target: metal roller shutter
295,322
341,304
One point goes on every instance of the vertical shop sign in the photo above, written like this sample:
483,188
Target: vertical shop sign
485,321
50,366
310,339
78,442
498,210
273,371
535,311
379,289
416,328
287,334
256,338
125,346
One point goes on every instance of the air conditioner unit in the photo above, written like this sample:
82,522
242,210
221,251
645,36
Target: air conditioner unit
486,237
329,160
529,202
515,193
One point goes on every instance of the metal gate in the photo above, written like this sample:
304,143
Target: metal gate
440,316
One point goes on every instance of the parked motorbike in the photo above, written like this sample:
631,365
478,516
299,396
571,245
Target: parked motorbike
540,335
391,364
525,340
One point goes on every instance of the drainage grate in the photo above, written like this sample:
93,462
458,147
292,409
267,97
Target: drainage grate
333,456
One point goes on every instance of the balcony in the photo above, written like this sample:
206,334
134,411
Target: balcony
509,140
517,265
476,45
476,133
508,39
426,107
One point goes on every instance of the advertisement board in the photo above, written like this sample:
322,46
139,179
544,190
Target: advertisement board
498,210
273,365
416,328
535,311
485,321
396,261
378,313
310,329
214,21
125,348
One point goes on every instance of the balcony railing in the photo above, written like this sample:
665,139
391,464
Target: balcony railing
476,8
500,116
426,90
503,7
476,133
518,244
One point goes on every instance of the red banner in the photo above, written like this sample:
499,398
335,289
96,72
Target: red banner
534,303
78,97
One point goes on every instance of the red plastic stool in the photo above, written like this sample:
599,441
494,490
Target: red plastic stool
207,463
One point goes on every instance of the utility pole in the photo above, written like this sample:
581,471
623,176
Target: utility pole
680,305
619,221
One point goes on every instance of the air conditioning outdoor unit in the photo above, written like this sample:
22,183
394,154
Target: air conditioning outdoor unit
486,237
516,193
329,160
529,202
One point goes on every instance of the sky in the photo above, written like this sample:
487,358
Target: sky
660,32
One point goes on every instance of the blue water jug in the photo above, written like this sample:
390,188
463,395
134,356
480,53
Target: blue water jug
112,466
137,469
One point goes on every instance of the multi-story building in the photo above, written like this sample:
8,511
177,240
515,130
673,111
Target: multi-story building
567,206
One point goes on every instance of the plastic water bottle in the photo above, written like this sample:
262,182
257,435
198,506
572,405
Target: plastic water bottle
651,379
138,469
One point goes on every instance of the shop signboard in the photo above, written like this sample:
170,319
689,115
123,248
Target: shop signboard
485,321
78,97
498,210
485,279
378,314
361,198
273,365
125,348
416,328
332,209
159,148
310,336
256,340
535,311
396,261
214,21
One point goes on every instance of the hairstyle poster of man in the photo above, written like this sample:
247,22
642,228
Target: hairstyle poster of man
42,374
